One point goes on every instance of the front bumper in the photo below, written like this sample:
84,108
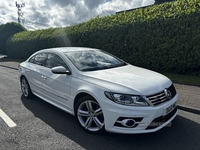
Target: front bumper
146,119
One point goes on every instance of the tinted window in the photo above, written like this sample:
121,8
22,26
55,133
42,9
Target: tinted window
54,60
38,59
91,60
32,59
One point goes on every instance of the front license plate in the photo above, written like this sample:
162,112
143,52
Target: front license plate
170,108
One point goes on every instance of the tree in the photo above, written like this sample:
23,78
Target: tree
7,30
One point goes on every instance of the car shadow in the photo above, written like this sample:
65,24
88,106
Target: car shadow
182,134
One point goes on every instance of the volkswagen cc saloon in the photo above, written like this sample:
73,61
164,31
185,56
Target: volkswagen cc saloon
102,91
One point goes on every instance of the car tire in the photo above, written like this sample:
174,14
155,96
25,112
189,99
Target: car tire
26,90
89,115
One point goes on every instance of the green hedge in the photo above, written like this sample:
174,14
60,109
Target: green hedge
161,37
7,30
23,44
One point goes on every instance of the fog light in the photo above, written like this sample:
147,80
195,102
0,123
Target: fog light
128,123
125,122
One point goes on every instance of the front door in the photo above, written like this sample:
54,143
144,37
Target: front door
57,86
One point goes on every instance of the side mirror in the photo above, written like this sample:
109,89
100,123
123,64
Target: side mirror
60,70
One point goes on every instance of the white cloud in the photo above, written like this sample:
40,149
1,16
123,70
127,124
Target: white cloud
40,14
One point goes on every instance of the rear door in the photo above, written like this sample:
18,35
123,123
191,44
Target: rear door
35,70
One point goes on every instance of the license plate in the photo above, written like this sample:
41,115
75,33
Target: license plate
170,108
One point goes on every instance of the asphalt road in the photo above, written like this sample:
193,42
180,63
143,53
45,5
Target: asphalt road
41,126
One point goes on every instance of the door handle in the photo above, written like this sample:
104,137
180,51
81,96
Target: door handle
44,77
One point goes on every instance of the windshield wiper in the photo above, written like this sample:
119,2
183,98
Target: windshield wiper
104,67
91,69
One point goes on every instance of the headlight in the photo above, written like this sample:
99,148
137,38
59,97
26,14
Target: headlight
126,99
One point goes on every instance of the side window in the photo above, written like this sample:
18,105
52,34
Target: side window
31,60
54,60
40,58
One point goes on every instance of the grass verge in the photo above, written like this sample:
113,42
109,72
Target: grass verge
184,79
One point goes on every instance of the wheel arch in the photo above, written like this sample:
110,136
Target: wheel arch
22,76
78,96
96,127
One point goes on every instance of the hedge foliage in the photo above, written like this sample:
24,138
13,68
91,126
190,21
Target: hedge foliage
162,37
7,30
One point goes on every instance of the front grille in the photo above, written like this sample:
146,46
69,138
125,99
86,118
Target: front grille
161,97
172,90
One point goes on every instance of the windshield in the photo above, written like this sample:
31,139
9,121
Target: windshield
91,60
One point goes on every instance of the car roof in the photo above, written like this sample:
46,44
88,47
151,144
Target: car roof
67,49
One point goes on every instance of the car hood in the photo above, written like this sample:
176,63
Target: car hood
128,79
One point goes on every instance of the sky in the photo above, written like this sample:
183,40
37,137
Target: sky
42,14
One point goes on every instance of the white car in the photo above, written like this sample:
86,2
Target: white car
100,90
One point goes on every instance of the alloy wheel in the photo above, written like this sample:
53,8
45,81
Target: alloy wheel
90,116
25,88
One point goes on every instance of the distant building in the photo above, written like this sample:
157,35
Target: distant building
133,9
156,2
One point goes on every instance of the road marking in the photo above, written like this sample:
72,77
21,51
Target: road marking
7,120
